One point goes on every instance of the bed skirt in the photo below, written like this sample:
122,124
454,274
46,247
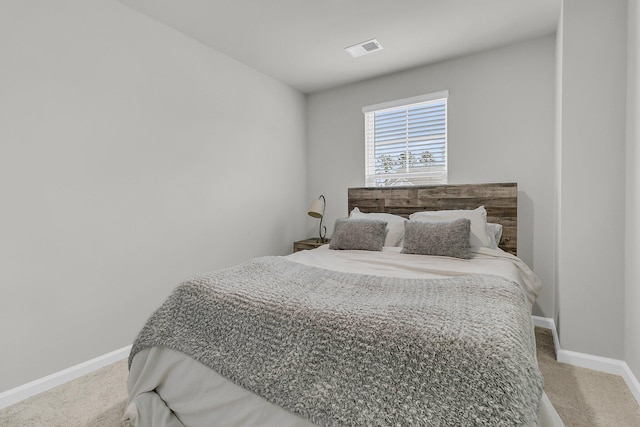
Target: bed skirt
170,389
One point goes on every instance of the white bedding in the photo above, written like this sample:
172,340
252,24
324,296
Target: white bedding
390,262
161,378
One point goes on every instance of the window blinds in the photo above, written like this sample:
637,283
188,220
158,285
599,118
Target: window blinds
407,144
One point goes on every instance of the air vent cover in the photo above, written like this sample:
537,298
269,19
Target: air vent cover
364,48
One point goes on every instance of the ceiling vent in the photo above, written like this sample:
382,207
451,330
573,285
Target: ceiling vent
364,48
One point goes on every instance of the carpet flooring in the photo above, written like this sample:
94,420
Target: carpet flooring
581,396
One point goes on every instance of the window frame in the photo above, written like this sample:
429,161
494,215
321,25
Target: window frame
438,175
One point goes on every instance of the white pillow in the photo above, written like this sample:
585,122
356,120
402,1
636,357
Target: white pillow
478,237
395,225
495,234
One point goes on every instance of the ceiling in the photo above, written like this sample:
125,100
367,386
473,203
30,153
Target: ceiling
301,42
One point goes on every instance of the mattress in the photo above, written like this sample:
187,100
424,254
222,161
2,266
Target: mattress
168,388
391,262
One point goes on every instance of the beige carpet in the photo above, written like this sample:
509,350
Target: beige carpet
97,399
582,397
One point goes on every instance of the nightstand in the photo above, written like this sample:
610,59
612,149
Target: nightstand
302,245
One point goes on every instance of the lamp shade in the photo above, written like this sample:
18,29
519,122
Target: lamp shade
316,208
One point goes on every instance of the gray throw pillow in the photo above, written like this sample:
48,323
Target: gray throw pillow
450,238
358,234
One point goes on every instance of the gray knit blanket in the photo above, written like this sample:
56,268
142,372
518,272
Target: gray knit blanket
356,350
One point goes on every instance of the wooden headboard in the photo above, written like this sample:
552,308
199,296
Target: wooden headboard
500,201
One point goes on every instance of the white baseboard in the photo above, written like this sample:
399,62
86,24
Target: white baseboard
548,323
597,363
25,391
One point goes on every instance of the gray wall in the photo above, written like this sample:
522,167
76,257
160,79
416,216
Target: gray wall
632,247
119,137
592,182
558,163
122,173
501,129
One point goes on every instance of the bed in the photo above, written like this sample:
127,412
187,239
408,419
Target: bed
354,337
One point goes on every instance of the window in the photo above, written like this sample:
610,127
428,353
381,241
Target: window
406,141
